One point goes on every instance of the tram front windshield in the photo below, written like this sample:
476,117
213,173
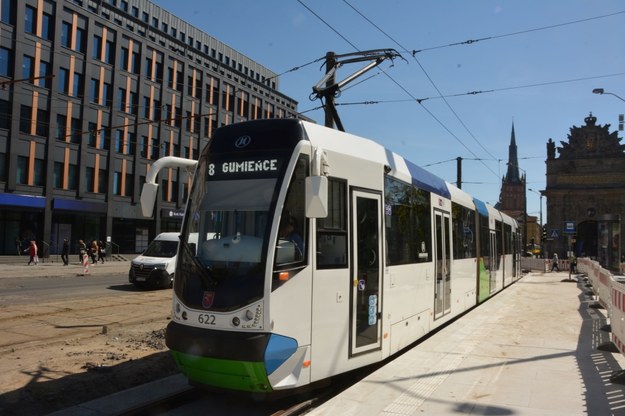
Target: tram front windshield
224,244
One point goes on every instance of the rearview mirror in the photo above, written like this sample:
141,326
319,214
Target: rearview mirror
316,196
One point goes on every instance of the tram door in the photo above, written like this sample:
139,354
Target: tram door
494,261
365,331
442,301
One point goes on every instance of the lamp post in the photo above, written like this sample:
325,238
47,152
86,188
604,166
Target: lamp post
601,91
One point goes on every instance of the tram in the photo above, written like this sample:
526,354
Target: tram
307,252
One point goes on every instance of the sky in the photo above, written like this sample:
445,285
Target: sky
468,72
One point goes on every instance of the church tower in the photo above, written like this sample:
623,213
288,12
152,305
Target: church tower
512,196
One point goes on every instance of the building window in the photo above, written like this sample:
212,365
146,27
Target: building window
30,14
97,46
44,80
123,61
77,84
63,80
94,91
61,125
93,134
66,33
143,146
72,177
80,40
106,94
27,67
130,143
121,99
47,27
135,11
76,131
102,181
43,122
6,64
39,178
21,176
57,176
7,11
109,53
119,141
5,114
89,178
117,183
25,118
146,17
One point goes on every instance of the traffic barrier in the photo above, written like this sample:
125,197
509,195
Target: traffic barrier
85,264
610,292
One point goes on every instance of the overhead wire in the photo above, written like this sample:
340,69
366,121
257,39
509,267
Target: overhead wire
437,90
520,32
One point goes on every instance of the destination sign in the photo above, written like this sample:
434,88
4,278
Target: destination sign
243,167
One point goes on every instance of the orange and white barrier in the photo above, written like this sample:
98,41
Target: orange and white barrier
610,291
85,264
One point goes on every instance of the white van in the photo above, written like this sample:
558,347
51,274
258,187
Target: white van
155,266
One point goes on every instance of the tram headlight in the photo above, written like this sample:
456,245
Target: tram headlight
249,315
236,321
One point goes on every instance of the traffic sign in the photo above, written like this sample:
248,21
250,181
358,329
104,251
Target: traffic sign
554,234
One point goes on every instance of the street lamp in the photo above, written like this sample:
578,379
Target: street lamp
601,91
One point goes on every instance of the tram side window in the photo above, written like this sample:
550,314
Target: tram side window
507,230
499,233
485,241
408,223
332,230
293,227
464,232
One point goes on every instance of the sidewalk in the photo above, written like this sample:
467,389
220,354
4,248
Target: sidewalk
57,269
530,350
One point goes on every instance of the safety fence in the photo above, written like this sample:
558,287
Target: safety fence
543,265
610,292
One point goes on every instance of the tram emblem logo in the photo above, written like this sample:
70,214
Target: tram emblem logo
207,299
242,141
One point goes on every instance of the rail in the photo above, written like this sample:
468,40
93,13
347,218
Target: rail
111,244
610,292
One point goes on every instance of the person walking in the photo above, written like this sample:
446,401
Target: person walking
65,252
18,246
82,251
32,252
94,252
554,265
101,251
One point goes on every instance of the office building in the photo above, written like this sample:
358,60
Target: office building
92,93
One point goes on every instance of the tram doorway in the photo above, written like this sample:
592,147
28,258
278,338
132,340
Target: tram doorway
365,333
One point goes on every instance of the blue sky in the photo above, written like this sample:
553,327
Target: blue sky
536,63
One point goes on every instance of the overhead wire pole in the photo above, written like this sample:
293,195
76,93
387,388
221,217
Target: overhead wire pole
459,172
330,63
328,87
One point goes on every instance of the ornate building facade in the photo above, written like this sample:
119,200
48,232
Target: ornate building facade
586,193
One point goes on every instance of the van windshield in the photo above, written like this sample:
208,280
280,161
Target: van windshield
161,248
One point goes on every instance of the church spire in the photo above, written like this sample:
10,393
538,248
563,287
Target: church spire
512,175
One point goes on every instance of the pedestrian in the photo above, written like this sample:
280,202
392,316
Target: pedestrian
94,252
555,262
572,265
82,251
65,252
32,252
18,246
101,251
